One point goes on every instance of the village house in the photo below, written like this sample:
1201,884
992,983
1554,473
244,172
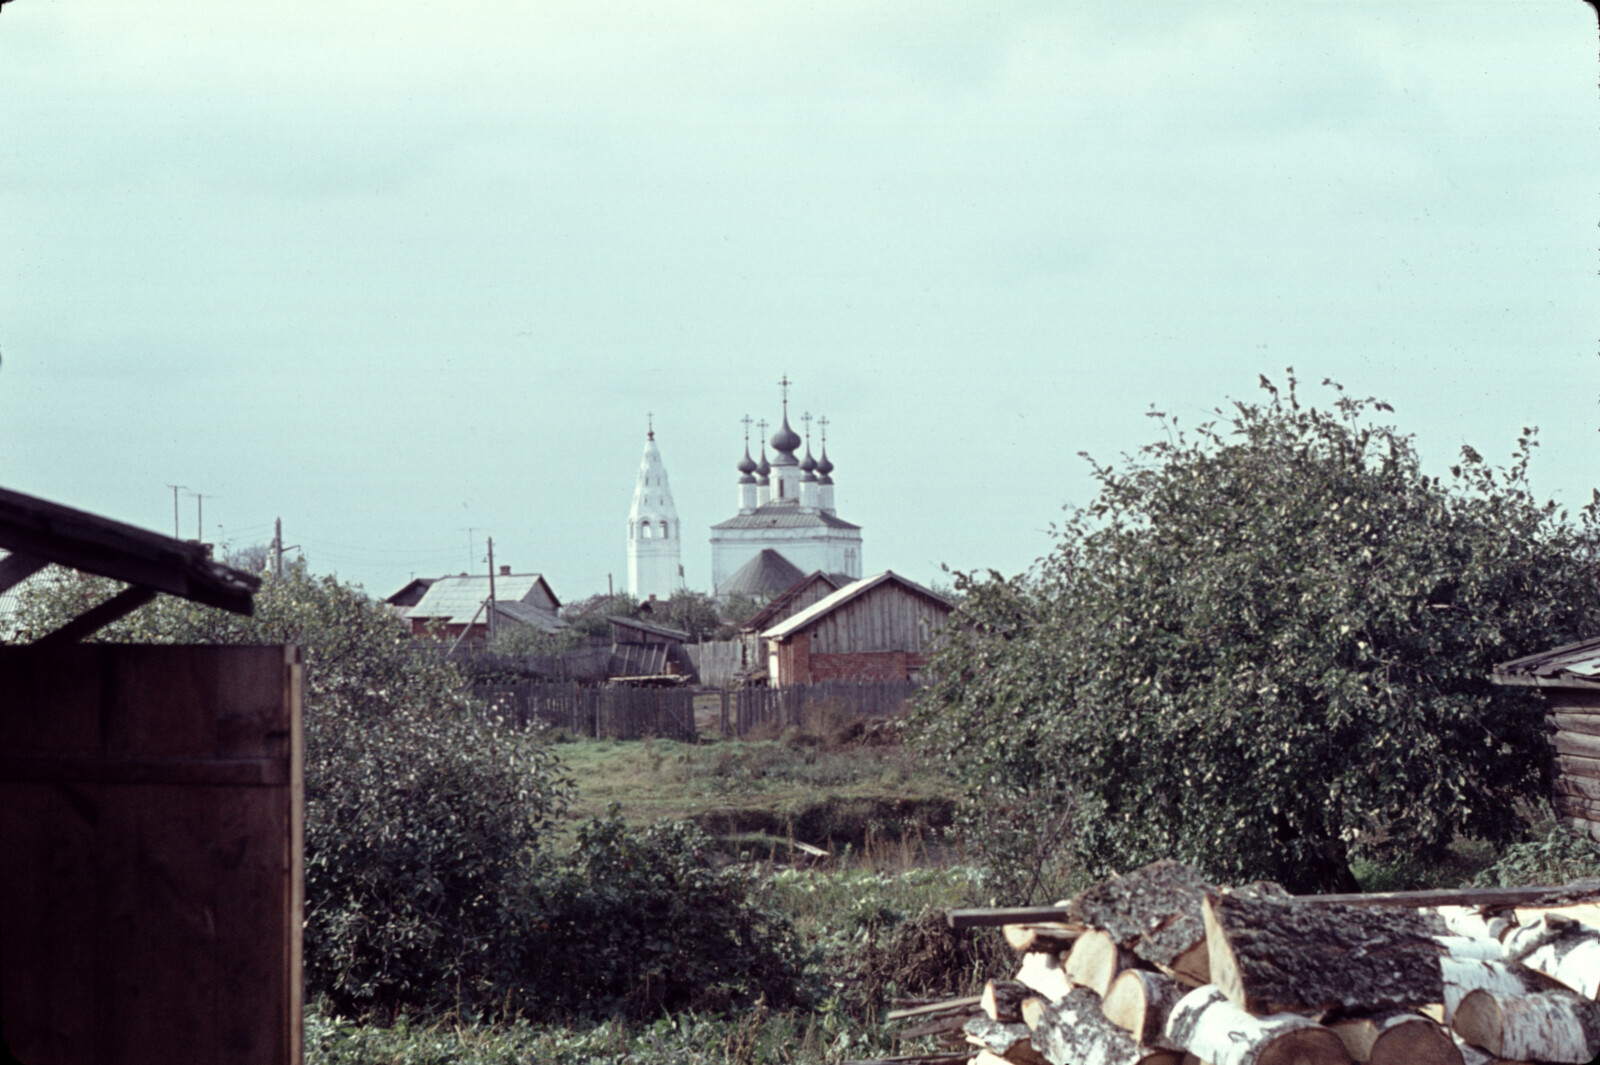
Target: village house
882,628
449,608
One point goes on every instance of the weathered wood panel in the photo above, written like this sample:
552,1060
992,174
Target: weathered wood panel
887,618
150,863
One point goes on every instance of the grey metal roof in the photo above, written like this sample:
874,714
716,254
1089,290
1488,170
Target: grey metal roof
796,622
785,516
1574,665
764,617
528,614
767,573
454,600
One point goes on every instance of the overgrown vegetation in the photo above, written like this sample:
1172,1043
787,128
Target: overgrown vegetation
1263,648
431,883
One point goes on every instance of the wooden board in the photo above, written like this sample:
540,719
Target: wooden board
150,864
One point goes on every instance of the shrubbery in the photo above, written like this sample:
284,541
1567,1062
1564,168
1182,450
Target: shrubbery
430,882
636,923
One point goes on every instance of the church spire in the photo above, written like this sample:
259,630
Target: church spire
654,558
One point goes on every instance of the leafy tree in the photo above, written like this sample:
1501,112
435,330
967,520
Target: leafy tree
693,612
589,620
1263,648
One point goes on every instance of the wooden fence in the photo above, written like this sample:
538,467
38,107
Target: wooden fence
797,704
620,712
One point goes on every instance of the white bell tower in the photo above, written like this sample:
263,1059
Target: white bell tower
654,559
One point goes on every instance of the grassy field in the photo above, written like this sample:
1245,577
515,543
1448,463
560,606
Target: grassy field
768,793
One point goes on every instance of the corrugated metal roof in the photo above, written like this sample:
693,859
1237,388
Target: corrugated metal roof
767,573
844,595
1574,665
785,516
455,599
528,614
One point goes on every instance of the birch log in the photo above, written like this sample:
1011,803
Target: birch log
1075,1032
1013,1042
1555,1026
1207,1024
1473,921
1095,960
1274,954
1462,976
1561,948
1002,1000
1042,972
1139,1002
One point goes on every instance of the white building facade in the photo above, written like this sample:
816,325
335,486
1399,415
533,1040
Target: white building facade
786,505
655,560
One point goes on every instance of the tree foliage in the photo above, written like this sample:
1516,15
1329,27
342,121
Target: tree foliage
1263,648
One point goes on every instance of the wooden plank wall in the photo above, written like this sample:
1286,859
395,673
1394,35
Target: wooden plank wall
1574,716
887,618
150,863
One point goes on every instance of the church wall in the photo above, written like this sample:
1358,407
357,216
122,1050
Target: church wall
811,549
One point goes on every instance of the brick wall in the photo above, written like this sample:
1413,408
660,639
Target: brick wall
864,666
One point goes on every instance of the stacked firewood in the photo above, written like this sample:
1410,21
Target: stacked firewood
1161,968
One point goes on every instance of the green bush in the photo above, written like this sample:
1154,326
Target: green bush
1555,855
422,845
640,923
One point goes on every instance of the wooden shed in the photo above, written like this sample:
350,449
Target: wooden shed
1569,679
880,628
150,818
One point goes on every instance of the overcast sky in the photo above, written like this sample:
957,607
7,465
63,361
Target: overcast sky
397,272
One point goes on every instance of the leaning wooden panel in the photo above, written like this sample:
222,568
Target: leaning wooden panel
150,865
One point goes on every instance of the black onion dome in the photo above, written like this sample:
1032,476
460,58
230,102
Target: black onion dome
747,465
763,468
808,466
785,440
824,467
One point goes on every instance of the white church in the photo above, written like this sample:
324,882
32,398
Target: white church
787,525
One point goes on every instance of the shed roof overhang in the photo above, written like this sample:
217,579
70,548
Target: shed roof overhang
38,532
1574,665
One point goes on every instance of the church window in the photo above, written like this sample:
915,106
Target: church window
665,532
645,528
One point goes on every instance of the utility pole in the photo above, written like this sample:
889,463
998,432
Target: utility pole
175,488
277,548
199,516
492,622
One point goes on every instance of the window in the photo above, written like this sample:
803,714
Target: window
645,528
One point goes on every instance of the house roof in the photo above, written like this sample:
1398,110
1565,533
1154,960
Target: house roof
844,595
768,615
528,614
49,532
767,573
412,593
677,635
1574,665
454,600
785,516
